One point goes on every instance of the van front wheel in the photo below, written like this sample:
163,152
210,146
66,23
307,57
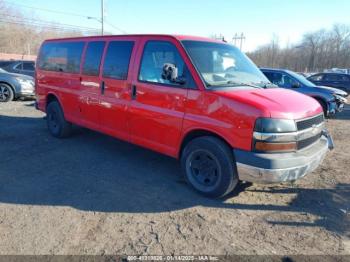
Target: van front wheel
56,123
208,165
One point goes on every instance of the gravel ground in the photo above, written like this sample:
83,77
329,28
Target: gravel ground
93,194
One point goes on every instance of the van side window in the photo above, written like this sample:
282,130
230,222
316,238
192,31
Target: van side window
155,55
61,56
93,58
116,64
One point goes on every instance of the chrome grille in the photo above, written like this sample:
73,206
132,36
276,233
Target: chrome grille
309,122
309,141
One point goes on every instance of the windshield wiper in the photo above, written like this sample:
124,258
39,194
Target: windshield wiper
243,84
233,84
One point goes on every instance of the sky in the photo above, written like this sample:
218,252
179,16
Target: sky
259,20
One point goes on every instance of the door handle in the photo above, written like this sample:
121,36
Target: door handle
102,87
133,92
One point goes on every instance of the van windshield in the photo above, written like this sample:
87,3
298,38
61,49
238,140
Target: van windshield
223,65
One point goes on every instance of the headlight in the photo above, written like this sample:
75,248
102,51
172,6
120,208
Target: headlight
25,82
281,132
340,98
271,125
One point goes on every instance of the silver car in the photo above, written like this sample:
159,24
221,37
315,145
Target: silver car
13,86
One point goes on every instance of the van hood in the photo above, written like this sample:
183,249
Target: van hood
275,102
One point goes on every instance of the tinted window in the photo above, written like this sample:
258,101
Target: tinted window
332,78
269,75
28,66
93,58
62,57
288,81
316,78
18,66
280,79
345,78
5,63
155,55
117,59
275,78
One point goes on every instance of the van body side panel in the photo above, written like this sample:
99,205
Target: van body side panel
115,101
157,111
231,120
65,86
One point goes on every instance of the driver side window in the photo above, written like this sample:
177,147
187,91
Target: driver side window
282,80
275,78
155,55
287,81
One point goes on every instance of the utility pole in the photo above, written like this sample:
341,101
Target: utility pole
238,39
102,16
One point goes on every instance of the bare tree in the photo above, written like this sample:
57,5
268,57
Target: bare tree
23,34
316,51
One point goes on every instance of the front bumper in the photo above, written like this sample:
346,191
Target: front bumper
23,92
282,167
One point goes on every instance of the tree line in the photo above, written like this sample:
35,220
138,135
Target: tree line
22,32
319,50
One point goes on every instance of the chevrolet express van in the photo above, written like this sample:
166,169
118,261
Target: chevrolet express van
195,99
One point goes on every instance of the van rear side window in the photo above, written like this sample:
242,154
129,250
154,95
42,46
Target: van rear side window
116,64
61,56
93,58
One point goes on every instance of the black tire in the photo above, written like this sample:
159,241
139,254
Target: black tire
56,123
324,106
6,93
208,166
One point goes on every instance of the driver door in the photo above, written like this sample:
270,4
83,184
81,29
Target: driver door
157,106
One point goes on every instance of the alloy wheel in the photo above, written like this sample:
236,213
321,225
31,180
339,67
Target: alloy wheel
4,93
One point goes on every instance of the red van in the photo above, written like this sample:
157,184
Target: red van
196,99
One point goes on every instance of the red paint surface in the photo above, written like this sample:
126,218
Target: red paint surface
161,116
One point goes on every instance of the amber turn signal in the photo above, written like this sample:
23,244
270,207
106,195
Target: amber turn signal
275,147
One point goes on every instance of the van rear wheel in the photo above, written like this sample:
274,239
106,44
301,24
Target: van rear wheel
208,165
56,123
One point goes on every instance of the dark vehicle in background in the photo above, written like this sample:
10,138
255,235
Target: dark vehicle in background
13,86
331,99
337,80
19,67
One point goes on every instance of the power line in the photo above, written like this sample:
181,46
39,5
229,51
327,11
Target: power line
50,23
2,20
65,13
115,27
46,10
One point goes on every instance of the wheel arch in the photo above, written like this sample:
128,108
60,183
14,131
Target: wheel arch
323,100
10,85
51,97
195,133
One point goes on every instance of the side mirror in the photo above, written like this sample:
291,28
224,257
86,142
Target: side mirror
170,73
295,85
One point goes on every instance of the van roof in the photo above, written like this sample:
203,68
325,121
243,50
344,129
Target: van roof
177,37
